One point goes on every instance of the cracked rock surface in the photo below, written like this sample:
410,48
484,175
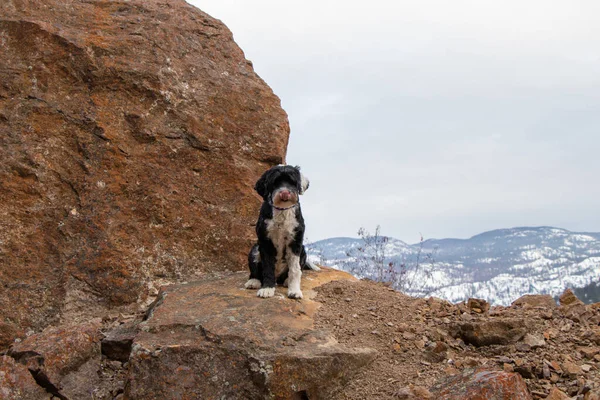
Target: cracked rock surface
214,338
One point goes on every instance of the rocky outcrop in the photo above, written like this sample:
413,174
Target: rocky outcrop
131,134
213,339
347,339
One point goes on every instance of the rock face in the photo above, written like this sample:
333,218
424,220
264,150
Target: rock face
131,134
213,339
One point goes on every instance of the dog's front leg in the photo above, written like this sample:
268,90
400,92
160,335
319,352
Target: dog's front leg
268,275
294,276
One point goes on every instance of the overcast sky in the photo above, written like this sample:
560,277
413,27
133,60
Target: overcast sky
446,118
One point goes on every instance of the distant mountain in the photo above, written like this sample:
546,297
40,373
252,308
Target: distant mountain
499,265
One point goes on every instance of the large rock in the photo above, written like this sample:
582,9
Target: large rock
213,339
486,333
131,134
482,384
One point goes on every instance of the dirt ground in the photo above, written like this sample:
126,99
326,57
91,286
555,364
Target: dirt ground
419,341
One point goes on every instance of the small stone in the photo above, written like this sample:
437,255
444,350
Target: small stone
535,300
589,352
586,368
508,367
556,366
568,298
504,359
557,394
478,306
525,371
348,299
546,371
571,369
534,341
519,362
547,314
524,347
440,347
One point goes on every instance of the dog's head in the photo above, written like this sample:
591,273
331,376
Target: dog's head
282,185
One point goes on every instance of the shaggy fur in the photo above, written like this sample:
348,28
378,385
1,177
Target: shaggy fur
279,256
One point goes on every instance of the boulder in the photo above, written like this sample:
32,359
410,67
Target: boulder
482,384
486,333
131,135
214,339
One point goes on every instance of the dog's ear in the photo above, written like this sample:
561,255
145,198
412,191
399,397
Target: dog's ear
304,183
261,185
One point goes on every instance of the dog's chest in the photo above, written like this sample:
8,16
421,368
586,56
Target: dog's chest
281,230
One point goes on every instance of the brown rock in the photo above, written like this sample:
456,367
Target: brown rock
589,352
212,339
17,383
534,341
508,367
131,135
568,298
478,306
489,332
557,394
571,369
482,385
55,352
535,300
413,392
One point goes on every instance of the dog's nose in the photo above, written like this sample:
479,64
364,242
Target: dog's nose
285,195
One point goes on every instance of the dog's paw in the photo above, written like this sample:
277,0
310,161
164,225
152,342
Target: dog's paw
253,284
285,283
295,294
266,292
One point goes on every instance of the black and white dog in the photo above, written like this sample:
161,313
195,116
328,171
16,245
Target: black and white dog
279,256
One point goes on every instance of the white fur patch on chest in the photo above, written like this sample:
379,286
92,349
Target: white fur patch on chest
281,230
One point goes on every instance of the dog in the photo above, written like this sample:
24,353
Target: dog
279,255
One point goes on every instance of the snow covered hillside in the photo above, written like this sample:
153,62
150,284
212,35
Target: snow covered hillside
498,266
